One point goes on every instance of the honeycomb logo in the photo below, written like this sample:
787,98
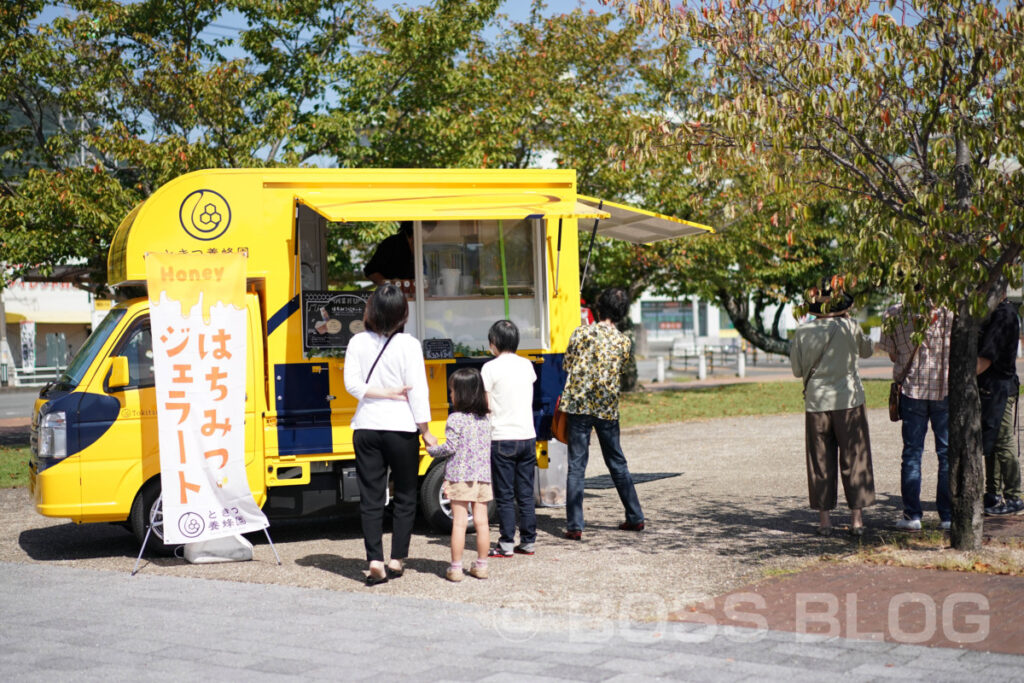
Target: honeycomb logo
191,525
205,215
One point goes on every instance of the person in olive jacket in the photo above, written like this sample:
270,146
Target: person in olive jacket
824,353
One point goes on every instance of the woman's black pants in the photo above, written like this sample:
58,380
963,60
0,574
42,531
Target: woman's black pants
376,451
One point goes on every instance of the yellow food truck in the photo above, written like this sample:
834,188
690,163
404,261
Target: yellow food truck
489,244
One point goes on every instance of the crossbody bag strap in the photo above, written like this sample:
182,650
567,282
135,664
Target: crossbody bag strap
835,328
370,373
906,370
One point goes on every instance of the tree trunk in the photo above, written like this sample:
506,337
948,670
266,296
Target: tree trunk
966,460
738,310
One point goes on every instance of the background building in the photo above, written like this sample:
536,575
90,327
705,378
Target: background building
44,324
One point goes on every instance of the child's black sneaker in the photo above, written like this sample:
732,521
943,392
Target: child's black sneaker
498,551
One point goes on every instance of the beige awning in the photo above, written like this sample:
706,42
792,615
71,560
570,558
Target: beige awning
394,204
639,226
51,316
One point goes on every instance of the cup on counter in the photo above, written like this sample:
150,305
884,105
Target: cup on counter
450,280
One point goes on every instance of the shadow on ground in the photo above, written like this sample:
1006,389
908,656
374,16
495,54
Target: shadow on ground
14,436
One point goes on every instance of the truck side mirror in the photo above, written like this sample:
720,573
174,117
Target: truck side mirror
116,373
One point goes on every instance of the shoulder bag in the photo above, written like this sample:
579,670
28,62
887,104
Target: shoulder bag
370,373
894,388
560,423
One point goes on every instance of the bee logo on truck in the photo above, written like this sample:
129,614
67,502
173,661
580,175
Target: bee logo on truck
205,215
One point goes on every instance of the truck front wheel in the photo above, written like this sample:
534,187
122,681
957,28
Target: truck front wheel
147,510
435,506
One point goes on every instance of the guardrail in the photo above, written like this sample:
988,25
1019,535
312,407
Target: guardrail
684,350
29,377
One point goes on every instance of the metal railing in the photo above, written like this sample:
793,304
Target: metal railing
29,377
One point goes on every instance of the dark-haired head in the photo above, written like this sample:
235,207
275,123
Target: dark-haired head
467,392
386,311
829,299
504,336
405,227
613,305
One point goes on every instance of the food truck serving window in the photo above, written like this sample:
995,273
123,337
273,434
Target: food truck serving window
477,272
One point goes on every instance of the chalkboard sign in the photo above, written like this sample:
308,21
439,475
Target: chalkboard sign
329,319
438,349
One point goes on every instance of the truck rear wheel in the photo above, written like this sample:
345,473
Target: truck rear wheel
435,506
146,509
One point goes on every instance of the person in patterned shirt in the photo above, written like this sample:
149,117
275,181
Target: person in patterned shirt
593,361
924,398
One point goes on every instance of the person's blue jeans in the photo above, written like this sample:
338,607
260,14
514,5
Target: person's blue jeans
579,453
916,414
512,467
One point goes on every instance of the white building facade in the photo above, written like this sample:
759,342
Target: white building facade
44,324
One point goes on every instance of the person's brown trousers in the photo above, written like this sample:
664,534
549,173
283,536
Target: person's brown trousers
838,440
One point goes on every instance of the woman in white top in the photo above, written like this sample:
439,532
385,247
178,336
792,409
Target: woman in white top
384,370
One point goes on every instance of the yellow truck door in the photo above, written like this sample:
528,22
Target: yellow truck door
124,453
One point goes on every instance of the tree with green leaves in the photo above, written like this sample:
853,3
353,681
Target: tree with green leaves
909,111
110,103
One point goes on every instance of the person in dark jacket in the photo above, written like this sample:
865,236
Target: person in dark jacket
393,260
998,387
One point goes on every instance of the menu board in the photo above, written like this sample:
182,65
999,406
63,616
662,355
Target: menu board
438,349
329,319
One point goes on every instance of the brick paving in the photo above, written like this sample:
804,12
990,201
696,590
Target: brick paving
903,605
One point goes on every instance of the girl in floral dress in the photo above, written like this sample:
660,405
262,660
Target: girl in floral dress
467,475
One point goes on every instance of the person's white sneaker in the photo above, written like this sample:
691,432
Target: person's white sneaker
945,525
908,524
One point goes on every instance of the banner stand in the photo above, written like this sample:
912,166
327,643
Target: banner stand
158,510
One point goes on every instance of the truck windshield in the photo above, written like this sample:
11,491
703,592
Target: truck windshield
85,356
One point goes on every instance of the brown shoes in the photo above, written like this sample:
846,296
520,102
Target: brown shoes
632,526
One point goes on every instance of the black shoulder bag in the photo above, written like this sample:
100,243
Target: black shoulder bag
370,373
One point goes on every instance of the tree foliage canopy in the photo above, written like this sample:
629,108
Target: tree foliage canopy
908,112
110,104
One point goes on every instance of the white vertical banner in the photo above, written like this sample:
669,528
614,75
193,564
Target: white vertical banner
28,345
198,322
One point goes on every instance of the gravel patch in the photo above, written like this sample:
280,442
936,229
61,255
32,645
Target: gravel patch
725,501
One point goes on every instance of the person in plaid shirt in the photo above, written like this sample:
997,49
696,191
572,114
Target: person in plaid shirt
924,398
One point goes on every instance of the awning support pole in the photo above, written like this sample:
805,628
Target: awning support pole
504,274
590,247
295,250
558,258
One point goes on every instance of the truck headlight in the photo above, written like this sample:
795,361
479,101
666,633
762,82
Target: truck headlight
53,435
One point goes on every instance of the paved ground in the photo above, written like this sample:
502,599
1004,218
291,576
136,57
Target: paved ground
684,600
70,624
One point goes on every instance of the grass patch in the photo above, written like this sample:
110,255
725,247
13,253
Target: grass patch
930,549
13,467
763,398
